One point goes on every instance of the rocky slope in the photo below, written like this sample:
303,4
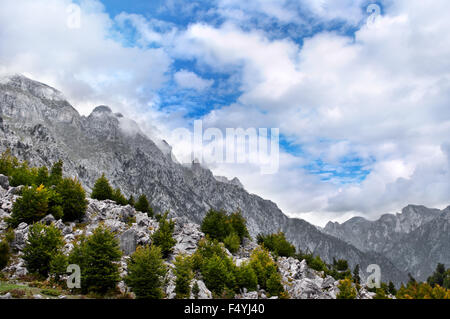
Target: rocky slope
415,240
40,126
300,281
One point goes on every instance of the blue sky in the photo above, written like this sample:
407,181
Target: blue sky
361,103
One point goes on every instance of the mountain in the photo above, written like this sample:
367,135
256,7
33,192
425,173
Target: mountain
415,240
39,125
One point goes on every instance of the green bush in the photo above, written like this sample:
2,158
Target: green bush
8,163
56,173
216,274
97,257
31,207
216,267
4,254
216,225
42,177
22,175
232,242
58,266
119,198
246,277
163,236
266,271
183,273
277,244
229,229
73,199
346,290
239,225
146,271
102,189
131,201
43,243
143,205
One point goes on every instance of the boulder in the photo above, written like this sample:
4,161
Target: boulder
128,241
47,220
4,181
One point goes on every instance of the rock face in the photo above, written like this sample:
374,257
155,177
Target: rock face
415,240
40,126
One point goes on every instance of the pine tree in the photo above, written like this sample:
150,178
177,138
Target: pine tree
391,288
163,237
42,176
183,273
356,277
56,173
146,271
97,257
73,199
5,254
119,198
131,201
31,207
143,205
346,290
43,243
102,189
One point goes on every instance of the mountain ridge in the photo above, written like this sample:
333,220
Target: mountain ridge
43,128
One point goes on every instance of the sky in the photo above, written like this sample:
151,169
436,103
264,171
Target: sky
361,97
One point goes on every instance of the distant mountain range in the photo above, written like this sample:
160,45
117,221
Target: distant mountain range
39,125
415,240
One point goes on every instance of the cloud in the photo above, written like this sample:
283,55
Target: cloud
90,64
365,113
189,80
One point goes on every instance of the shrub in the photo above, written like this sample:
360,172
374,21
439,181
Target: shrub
216,267
163,236
216,225
22,175
239,225
246,277
273,284
97,257
146,271
229,229
216,274
58,266
277,244
183,273
119,198
42,177
265,268
346,290
102,190
8,163
4,254
195,289
143,205
32,206
232,242
43,243
73,199
131,201
56,173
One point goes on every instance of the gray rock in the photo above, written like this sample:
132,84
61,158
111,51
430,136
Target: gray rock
47,220
128,241
6,296
4,181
